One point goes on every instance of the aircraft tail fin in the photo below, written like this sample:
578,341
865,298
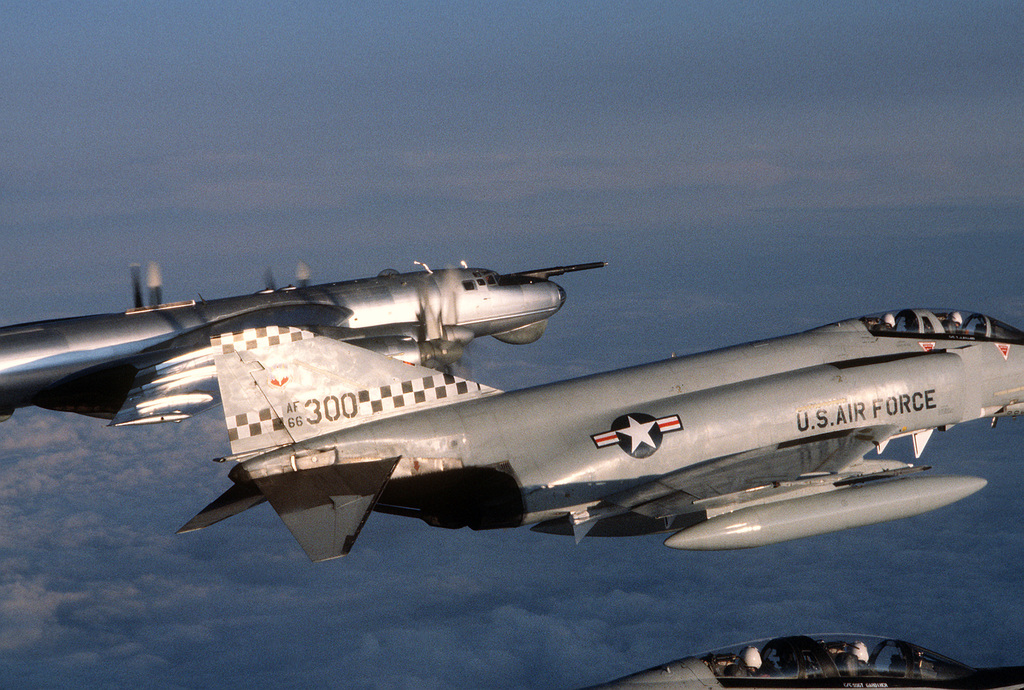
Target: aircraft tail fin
283,385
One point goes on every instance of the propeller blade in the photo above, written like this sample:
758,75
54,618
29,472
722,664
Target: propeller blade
268,279
154,282
136,272
451,288
429,312
302,274
463,366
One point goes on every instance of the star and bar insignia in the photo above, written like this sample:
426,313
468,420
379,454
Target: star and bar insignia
637,433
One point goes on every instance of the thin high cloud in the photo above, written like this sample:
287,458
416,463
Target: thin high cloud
151,109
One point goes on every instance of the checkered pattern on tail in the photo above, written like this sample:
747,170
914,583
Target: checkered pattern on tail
251,424
436,387
257,338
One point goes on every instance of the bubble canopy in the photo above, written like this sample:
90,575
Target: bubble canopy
954,324
832,656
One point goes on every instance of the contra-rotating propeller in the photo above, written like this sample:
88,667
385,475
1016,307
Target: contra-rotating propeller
302,275
154,282
437,315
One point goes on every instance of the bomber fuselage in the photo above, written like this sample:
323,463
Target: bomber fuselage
88,364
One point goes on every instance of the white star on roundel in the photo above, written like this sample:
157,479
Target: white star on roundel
639,432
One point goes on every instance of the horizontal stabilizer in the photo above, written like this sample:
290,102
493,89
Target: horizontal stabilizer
326,507
239,498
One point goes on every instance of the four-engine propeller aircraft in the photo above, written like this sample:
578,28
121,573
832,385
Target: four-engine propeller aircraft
821,661
154,363
749,445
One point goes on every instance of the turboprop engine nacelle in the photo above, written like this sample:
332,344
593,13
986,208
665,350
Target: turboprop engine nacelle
434,353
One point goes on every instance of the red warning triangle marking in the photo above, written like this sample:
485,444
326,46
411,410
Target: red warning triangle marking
1005,349
927,347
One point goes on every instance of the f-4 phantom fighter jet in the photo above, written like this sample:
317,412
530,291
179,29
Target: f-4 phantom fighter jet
740,447
821,661
154,363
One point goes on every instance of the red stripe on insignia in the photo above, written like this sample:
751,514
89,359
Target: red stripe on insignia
670,423
605,439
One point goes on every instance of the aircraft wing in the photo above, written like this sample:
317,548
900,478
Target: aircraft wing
716,480
777,473
171,391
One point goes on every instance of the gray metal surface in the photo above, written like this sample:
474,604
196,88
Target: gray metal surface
790,430
155,364
819,661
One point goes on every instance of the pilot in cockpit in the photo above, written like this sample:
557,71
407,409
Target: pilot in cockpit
751,659
747,664
954,322
852,659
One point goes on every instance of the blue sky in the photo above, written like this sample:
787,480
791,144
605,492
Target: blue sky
748,170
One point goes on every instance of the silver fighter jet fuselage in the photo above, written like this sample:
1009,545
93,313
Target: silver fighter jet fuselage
739,447
153,364
820,661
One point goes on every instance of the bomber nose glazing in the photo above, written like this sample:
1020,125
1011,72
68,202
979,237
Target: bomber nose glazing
561,294
551,295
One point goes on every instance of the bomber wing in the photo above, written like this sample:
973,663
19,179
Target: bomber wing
171,391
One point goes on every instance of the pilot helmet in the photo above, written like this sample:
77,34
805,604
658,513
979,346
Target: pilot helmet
889,320
859,650
957,318
751,658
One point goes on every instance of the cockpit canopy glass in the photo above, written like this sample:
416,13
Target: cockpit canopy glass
941,323
832,656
